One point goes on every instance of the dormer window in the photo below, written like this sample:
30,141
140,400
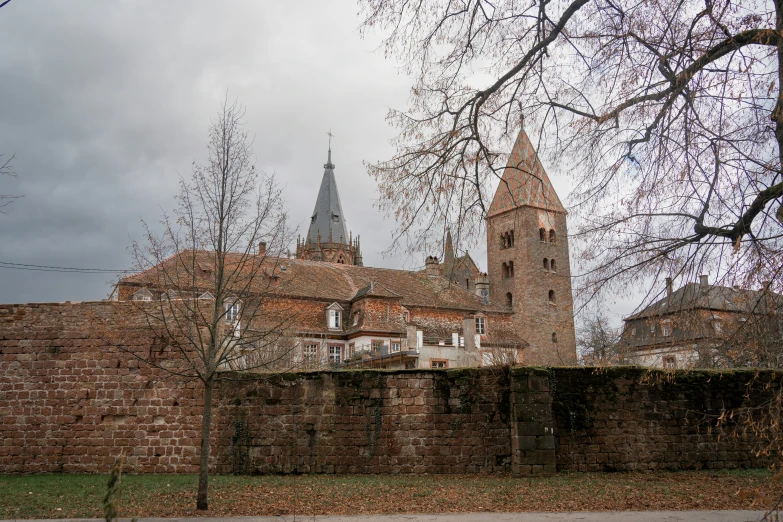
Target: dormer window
335,218
142,295
334,319
334,316
312,219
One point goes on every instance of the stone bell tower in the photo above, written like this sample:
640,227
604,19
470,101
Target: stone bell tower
528,258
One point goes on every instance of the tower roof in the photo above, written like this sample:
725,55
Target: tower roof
524,182
327,219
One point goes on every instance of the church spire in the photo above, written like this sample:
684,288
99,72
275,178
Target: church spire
448,250
327,219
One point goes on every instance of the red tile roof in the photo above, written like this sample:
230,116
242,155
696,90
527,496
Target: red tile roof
323,281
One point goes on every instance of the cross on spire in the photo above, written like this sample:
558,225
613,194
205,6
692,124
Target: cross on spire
329,164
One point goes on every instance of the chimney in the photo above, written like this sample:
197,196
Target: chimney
704,282
432,266
410,331
669,287
469,332
262,248
482,286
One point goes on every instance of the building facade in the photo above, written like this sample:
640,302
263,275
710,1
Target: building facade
448,315
703,325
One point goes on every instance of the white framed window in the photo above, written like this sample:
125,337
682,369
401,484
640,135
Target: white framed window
652,328
667,329
310,353
335,319
439,364
232,311
406,316
633,332
335,354
481,326
376,345
395,347
142,295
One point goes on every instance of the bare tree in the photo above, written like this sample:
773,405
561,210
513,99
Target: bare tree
204,282
6,169
668,114
597,343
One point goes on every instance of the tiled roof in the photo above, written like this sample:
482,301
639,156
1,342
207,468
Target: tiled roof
524,182
332,281
712,297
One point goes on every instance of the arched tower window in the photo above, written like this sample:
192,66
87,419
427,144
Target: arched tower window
542,234
505,270
510,269
552,236
552,266
509,299
551,296
554,337
546,264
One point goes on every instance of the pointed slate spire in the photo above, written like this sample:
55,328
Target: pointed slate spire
327,219
448,250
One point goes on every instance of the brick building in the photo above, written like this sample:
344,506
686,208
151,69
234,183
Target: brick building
447,315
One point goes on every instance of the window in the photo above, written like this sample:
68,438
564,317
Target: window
335,354
652,328
510,269
542,234
334,319
232,311
717,326
633,331
552,236
552,265
406,316
341,259
554,337
546,264
310,354
395,347
312,219
351,350
552,296
509,299
439,364
511,238
335,218
419,338
376,345
505,270
467,284
142,295
670,362
666,329
480,326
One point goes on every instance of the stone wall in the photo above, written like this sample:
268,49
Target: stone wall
71,403
630,418
410,421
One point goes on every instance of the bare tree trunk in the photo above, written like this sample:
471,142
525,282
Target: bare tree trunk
206,424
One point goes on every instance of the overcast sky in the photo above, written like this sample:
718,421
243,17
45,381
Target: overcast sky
106,104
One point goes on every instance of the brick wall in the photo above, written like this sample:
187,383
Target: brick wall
69,402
